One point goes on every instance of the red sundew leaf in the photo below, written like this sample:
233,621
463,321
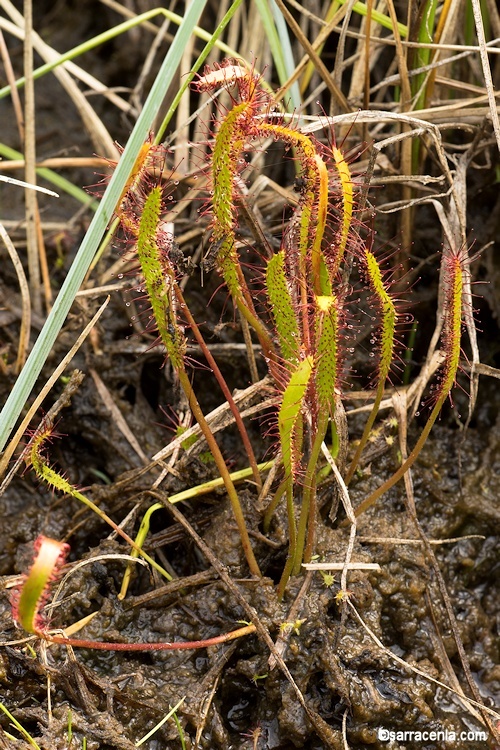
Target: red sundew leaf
30,597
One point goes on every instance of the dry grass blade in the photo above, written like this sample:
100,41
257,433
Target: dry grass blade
336,93
117,416
478,18
24,332
9,74
468,702
103,143
32,214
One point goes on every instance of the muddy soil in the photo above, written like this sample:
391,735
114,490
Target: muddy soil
342,681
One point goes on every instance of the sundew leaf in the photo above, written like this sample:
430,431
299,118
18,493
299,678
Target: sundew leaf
389,318
451,344
159,279
50,555
327,332
347,207
282,309
388,315
290,412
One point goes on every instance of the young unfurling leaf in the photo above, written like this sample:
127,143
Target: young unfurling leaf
29,599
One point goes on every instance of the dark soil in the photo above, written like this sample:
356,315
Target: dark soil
233,696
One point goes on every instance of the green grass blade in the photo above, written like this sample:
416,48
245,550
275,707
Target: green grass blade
377,17
102,217
20,727
281,49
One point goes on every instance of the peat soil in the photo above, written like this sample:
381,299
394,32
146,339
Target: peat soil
349,684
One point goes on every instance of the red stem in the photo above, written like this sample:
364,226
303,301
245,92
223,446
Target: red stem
166,646
223,385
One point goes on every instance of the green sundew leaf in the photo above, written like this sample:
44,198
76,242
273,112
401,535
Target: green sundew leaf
451,340
347,206
321,285
389,319
290,412
452,329
43,345
327,332
282,308
159,279
53,479
229,144
388,314
378,17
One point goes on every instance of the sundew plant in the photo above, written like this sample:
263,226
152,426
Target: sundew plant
299,303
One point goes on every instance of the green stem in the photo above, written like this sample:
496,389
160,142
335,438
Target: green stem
366,431
213,484
292,539
371,499
222,469
308,508
273,505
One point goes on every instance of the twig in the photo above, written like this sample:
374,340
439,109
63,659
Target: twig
346,502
